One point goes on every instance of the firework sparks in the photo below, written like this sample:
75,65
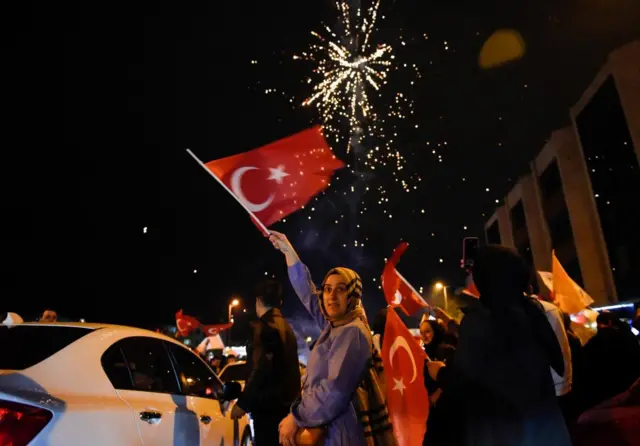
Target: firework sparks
350,72
345,67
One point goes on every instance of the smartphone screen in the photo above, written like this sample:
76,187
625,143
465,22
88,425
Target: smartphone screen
470,247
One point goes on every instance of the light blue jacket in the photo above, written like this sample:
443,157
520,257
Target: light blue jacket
336,365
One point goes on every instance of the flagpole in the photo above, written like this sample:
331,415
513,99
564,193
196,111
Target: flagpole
255,219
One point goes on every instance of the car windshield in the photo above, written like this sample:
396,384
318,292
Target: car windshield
24,346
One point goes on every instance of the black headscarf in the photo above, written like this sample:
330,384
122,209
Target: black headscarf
502,278
431,349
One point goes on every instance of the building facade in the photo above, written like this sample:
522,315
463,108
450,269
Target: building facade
581,196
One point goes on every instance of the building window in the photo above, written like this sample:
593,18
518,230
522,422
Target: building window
613,168
493,234
550,181
524,249
556,215
518,219
521,232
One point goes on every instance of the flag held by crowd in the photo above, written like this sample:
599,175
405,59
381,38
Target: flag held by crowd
213,330
570,296
185,324
407,397
397,290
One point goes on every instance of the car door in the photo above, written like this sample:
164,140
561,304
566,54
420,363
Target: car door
161,411
201,386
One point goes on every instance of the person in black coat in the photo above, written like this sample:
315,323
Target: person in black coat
441,415
498,381
274,381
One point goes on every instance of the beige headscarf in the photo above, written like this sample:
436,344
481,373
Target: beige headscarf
354,297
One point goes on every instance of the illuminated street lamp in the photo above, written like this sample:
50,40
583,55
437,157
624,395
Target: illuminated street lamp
439,286
234,303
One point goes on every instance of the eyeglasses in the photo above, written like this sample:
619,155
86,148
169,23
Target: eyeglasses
340,288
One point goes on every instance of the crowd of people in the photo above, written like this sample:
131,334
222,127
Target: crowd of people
512,372
602,372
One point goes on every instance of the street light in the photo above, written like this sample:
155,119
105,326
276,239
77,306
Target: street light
234,303
439,286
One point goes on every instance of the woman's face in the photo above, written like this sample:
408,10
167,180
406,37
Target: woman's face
426,332
334,296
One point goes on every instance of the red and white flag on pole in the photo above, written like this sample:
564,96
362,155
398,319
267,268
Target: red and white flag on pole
213,330
185,324
397,290
276,180
407,397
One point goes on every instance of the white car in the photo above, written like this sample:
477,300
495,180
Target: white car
94,384
236,372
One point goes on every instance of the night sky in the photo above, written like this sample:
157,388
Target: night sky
100,104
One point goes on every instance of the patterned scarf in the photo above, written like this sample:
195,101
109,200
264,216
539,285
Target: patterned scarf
354,298
371,405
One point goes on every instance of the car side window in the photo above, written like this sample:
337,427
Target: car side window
115,367
148,365
196,378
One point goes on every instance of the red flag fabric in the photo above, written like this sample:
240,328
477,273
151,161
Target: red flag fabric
212,330
407,397
397,290
186,324
278,179
470,287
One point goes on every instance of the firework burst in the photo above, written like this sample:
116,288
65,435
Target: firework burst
349,77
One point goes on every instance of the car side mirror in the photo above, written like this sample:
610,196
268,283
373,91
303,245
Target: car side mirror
231,391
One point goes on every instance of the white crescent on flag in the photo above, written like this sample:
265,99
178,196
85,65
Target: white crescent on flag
182,326
401,342
397,298
236,187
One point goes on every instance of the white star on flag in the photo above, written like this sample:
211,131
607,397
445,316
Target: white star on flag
277,174
399,386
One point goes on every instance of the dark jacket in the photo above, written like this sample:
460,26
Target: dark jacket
274,382
500,387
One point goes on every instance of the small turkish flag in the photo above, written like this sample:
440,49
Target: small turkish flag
186,324
470,288
397,290
407,397
212,330
278,179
